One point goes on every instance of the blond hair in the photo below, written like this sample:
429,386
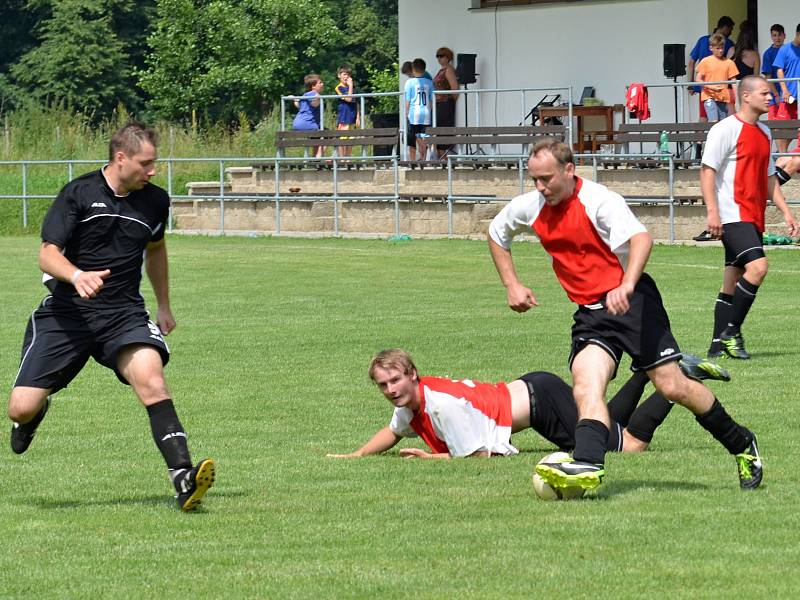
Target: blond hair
393,358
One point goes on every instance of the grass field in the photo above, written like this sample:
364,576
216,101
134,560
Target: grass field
269,374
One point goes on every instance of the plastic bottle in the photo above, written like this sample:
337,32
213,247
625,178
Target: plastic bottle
663,144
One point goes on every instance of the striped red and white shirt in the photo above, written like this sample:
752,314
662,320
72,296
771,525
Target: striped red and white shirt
740,154
586,235
459,417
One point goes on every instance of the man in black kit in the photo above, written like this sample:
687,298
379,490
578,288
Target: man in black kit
95,237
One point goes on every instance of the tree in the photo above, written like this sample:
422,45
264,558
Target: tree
80,61
368,40
226,57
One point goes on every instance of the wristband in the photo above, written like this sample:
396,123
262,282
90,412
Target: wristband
75,276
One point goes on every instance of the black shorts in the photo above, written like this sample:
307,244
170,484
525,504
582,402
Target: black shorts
60,339
643,332
412,132
743,244
554,414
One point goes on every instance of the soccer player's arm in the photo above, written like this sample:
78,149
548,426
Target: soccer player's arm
508,223
57,228
87,283
713,155
157,268
617,300
778,199
383,440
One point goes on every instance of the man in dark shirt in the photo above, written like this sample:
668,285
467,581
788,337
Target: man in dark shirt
97,234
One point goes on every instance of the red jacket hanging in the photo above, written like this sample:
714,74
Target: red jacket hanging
636,101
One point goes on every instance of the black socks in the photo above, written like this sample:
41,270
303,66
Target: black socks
725,430
169,437
591,440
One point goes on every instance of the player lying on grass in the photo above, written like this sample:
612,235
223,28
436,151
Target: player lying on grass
470,418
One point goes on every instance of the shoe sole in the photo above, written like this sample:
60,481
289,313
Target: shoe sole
558,479
730,354
204,479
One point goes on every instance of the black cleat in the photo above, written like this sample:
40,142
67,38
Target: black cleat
734,345
698,368
571,473
705,236
749,465
22,435
195,484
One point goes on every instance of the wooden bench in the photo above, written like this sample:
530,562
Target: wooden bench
472,140
686,135
388,137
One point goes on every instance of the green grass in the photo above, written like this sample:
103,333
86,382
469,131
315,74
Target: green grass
269,374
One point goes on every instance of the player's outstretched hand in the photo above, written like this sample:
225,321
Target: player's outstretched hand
521,299
414,453
617,300
89,283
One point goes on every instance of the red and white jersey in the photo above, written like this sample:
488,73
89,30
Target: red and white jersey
459,417
740,154
586,235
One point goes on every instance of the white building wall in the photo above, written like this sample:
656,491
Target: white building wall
605,44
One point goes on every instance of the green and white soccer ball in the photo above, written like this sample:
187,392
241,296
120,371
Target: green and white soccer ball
547,492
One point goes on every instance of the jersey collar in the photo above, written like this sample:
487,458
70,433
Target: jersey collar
111,187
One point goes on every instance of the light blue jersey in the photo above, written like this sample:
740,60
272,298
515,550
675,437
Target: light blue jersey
419,95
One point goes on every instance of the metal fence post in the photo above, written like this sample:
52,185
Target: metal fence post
277,197
169,190
25,195
335,195
222,197
396,167
671,200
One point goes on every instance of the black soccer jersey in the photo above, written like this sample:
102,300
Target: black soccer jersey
98,230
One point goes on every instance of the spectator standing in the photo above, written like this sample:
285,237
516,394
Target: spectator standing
445,79
701,50
308,114
716,68
347,111
418,94
407,69
778,35
787,65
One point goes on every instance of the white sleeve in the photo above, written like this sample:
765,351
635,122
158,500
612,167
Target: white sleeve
616,217
771,165
465,429
401,422
717,148
515,218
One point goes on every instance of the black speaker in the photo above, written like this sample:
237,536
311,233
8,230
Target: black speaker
674,60
465,68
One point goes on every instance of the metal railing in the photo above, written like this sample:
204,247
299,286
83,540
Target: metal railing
281,164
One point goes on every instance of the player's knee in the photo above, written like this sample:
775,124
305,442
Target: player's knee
671,385
756,271
23,407
151,386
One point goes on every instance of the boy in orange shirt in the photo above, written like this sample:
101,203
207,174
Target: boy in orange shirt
716,67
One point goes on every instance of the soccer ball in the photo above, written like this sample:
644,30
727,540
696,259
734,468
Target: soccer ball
547,492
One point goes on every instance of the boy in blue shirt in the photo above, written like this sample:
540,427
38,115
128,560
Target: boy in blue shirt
347,111
419,95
